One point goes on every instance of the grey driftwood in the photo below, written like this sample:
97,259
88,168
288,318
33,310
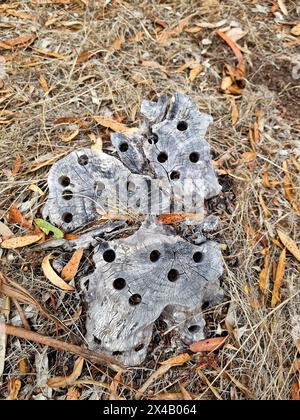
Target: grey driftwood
155,271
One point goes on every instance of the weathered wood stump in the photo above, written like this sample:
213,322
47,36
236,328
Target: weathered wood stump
164,167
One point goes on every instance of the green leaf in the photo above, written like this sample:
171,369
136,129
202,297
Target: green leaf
47,227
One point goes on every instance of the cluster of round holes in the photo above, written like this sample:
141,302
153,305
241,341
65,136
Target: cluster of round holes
64,181
139,347
67,195
109,255
97,340
198,257
153,139
135,299
194,329
194,157
119,283
83,160
173,275
162,157
123,147
154,255
67,217
175,175
182,126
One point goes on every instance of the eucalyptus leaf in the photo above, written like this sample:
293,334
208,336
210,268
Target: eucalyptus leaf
46,227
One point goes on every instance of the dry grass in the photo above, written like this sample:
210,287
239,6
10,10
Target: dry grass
261,347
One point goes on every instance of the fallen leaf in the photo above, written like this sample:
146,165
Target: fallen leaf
65,381
162,370
14,386
46,227
51,54
67,120
283,8
236,34
193,29
17,165
266,211
234,113
113,389
290,244
296,30
195,71
278,278
43,83
113,125
295,391
177,360
53,276
118,42
295,163
40,164
288,187
249,156
36,189
296,366
15,42
185,66
15,216
211,344
5,232
154,65
237,52
70,270
19,14
265,275
20,241
167,33
137,37
23,366
70,136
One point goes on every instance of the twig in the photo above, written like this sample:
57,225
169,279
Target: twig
97,358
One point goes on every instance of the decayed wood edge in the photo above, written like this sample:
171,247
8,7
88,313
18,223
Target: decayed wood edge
96,358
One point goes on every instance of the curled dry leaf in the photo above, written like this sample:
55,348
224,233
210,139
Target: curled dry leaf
290,244
53,276
113,125
21,241
70,136
15,216
70,270
65,381
195,71
211,344
296,30
177,360
278,278
43,83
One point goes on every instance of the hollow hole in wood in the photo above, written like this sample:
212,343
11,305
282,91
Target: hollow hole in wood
205,306
99,186
131,186
67,217
64,181
153,139
117,353
67,195
175,175
119,283
182,126
154,255
97,340
109,255
198,257
173,275
123,147
139,347
162,157
194,329
83,160
194,157
135,299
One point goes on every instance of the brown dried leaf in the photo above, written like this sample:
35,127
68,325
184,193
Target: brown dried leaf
70,270
234,113
177,360
19,14
70,136
43,83
51,54
15,42
118,43
14,386
65,381
290,244
295,391
195,71
296,30
73,394
265,275
266,211
21,241
113,389
53,276
185,66
168,33
113,125
296,366
278,278
162,370
15,216
5,232
208,345
17,165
